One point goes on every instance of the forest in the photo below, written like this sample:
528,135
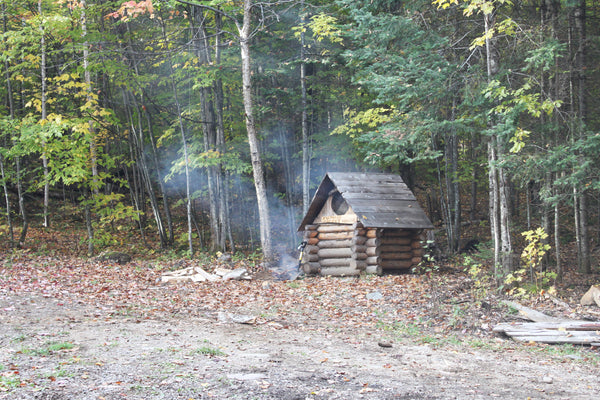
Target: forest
206,126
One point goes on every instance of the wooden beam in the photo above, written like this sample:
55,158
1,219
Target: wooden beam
336,235
335,252
331,244
335,228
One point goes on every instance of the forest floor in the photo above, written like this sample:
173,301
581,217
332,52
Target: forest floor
75,328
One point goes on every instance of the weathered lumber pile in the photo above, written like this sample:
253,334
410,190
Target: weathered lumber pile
551,330
197,274
573,332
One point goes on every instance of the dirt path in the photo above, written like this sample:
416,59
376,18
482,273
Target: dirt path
53,350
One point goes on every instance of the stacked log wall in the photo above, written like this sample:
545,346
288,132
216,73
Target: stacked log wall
311,265
399,249
342,249
372,251
330,250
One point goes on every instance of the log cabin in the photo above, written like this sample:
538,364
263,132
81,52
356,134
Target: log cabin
362,223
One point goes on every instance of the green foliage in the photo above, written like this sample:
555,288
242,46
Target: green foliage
114,216
323,27
530,279
483,281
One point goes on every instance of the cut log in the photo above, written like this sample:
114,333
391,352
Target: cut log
335,228
310,234
371,233
339,271
335,235
399,241
312,241
311,249
360,232
395,256
335,244
389,248
312,257
359,256
311,268
374,269
373,242
397,233
360,240
399,249
311,227
334,262
358,249
416,260
360,265
374,260
387,264
372,251
335,253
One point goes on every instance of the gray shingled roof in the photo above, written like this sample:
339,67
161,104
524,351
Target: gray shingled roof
379,200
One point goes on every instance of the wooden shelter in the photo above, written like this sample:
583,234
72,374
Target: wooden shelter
362,222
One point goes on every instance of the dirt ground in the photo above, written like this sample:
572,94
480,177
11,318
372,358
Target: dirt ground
57,347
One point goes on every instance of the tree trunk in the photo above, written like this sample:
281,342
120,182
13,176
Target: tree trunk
188,180
160,178
498,182
88,82
7,199
559,269
290,235
164,240
579,13
43,104
257,167
11,111
452,189
88,225
222,176
474,178
305,137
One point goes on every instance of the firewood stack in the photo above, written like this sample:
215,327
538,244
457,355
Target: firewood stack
351,249
400,249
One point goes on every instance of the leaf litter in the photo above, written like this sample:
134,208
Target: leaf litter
395,336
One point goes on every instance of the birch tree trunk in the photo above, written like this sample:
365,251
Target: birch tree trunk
257,167
305,137
452,189
7,199
88,83
11,111
498,182
43,104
